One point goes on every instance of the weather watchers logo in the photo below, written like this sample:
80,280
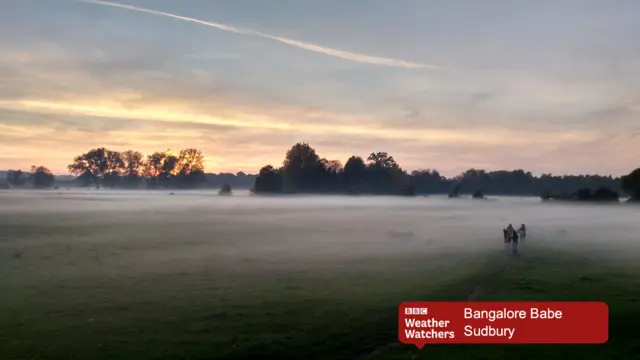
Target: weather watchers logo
416,311
503,322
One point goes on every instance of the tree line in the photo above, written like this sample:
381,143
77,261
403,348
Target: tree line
130,169
304,171
40,177
106,168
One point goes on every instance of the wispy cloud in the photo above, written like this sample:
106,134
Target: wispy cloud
357,57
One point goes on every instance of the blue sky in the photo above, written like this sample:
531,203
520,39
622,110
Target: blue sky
548,86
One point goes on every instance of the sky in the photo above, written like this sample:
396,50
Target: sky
546,86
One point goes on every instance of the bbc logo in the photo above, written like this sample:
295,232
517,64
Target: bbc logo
416,311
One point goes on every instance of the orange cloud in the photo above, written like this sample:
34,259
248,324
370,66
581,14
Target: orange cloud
244,139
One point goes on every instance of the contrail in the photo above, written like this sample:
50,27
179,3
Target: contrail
362,58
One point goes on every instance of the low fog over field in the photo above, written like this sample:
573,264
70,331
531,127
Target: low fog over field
106,274
67,232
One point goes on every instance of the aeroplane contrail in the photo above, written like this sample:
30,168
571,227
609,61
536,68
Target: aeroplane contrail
362,58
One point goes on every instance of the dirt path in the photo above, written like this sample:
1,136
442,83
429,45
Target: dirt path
477,291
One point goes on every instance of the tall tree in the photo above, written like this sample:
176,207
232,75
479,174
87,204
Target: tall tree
300,167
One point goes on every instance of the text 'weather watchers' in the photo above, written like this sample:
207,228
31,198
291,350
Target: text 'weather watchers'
422,323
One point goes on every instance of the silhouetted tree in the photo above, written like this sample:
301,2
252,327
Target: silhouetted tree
384,175
428,181
631,184
16,178
114,169
269,180
584,194
133,164
300,168
605,194
303,170
190,168
42,177
94,163
169,170
355,174
153,167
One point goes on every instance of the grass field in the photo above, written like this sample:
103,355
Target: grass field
542,274
107,283
316,314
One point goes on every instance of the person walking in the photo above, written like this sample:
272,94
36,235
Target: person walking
510,231
514,243
522,231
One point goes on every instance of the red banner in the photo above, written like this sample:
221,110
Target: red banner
422,323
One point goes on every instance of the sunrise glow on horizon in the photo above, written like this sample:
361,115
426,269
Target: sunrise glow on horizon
551,90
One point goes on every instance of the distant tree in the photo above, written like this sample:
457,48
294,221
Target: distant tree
407,190
163,169
153,168
303,170
95,163
631,184
133,164
605,194
16,178
269,180
300,168
190,168
190,160
428,181
584,194
86,179
225,189
355,174
42,177
170,165
384,175
114,168
382,160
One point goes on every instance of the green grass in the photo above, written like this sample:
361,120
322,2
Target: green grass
59,302
318,313
333,313
543,275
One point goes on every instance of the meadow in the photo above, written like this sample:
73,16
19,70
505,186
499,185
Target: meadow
145,275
